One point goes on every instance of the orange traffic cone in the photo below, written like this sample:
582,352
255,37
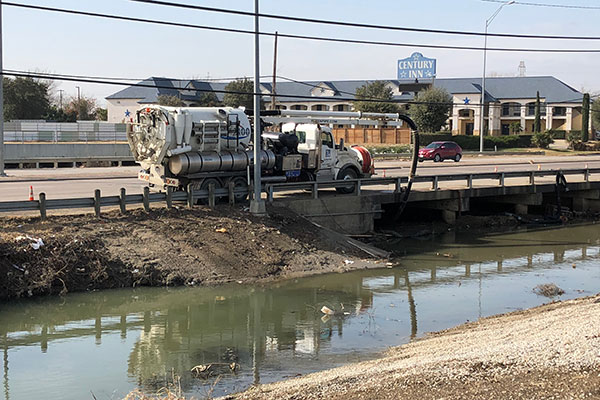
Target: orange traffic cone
30,193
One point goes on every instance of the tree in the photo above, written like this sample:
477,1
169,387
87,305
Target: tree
208,99
83,107
242,96
101,114
585,118
596,114
432,109
25,98
537,123
376,90
56,114
515,127
543,140
170,101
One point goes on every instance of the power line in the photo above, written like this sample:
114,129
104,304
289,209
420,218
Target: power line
363,25
293,96
136,79
293,36
524,3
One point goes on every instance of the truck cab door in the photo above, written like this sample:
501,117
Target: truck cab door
328,155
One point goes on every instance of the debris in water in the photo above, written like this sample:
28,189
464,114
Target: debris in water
221,230
348,262
204,371
574,266
327,311
548,290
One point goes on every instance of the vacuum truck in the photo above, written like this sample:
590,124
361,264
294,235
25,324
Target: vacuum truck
198,146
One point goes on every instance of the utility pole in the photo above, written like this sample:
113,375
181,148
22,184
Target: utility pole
257,205
60,91
273,91
78,103
2,173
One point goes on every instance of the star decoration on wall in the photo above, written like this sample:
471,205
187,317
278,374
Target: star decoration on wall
467,100
127,113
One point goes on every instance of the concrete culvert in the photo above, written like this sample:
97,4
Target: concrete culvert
548,290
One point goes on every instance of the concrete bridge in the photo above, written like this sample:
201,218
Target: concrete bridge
448,196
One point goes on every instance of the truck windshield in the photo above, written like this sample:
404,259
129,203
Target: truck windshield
433,145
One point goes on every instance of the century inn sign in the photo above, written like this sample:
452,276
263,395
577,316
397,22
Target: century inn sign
416,67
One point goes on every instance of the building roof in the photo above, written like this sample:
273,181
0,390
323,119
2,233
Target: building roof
551,89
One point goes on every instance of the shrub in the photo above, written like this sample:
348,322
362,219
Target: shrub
558,134
574,137
390,149
542,140
426,138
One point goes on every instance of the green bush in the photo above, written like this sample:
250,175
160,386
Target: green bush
389,149
542,140
467,142
426,138
574,137
471,143
557,134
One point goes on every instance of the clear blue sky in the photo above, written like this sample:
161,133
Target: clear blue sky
69,44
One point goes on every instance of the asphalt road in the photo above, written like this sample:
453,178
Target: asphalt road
81,182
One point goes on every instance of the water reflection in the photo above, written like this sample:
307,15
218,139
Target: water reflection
140,337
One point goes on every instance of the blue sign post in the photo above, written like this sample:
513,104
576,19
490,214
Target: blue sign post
416,67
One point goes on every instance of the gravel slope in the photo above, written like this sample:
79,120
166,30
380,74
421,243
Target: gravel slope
552,351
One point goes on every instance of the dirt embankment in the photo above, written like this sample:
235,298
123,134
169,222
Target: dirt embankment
548,352
177,247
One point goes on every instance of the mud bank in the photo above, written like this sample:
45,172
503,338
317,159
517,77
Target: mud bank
548,352
165,247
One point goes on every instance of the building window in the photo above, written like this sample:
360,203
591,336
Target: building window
511,110
560,111
531,109
464,113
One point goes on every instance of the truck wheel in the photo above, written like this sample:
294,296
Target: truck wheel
204,186
344,175
239,182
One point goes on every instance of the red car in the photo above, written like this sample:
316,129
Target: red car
440,151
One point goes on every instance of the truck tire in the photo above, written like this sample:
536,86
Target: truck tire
204,186
346,174
238,182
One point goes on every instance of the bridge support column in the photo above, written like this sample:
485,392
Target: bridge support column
521,201
449,208
584,200
449,217
521,209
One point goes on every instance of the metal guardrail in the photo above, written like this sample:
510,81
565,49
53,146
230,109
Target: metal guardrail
433,179
211,195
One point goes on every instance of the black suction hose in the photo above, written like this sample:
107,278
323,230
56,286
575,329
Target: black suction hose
413,167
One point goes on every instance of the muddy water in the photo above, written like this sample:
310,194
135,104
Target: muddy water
108,343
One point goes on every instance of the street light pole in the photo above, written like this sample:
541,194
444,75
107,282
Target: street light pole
257,205
482,102
2,173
